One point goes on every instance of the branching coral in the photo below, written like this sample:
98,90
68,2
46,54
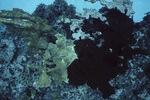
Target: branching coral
55,61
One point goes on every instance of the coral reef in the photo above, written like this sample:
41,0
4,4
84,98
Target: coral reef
24,19
134,83
80,93
76,24
13,71
2,28
56,59
108,56
34,30
59,9
75,27
98,64
142,33
93,13
7,51
125,6
55,13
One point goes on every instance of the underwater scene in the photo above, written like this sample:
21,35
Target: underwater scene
56,52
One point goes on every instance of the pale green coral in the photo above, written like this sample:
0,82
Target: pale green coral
57,58
44,79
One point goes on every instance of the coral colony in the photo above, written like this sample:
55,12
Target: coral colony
57,53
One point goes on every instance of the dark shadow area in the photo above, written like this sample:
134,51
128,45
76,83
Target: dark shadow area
97,65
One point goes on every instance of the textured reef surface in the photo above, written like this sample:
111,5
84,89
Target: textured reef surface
57,53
